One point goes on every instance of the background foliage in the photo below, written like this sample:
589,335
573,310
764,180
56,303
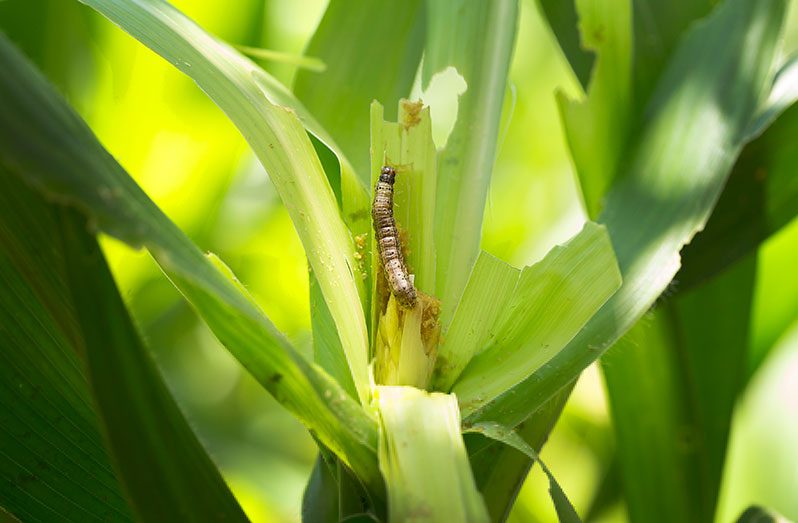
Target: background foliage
194,164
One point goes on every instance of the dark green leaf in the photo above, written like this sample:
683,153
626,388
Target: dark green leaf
320,500
42,140
476,38
500,470
564,22
694,131
565,510
53,465
372,51
174,482
658,29
759,199
759,515
686,368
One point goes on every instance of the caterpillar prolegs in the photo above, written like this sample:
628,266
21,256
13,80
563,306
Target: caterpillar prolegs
388,242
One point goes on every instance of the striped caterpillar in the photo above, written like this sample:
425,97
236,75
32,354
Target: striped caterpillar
388,242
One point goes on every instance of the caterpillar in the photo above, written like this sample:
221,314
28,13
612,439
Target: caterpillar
388,244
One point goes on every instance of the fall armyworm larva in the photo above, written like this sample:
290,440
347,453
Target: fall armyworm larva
388,242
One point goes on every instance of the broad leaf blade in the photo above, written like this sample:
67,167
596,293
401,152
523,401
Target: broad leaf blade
372,51
759,199
552,301
476,38
137,411
693,134
425,464
44,142
281,144
485,300
687,367
53,464
564,20
597,128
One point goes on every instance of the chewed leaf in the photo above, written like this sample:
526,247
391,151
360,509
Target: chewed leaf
552,301
68,165
425,464
484,301
282,145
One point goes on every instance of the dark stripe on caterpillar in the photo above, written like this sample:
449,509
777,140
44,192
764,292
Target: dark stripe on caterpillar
388,242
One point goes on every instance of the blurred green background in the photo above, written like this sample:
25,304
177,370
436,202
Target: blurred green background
192,161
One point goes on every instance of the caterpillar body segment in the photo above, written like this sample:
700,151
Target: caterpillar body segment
388,243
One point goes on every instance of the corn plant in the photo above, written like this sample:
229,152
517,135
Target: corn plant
429,412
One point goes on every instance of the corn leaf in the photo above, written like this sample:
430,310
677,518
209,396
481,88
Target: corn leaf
564,22
137,411
552,301
760,515
425,464
277,137
686,365
565,510
485,299
783,95
596,128
376,60
476,38
500,469
45,143
53,463
658,28
760,198
694,129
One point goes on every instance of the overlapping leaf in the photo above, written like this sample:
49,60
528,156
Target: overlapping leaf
693,132
456,37
551,302
51,148
247,94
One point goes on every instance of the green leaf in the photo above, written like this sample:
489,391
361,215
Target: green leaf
693,133
485,299
596,128
320,500
277,137
760,515
309,63
783,95
693,355
658,30
44,142
372,51
759,199
53,464
565,510
327,349
552,301
425,464
500,469
476,38
562,17
136,409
